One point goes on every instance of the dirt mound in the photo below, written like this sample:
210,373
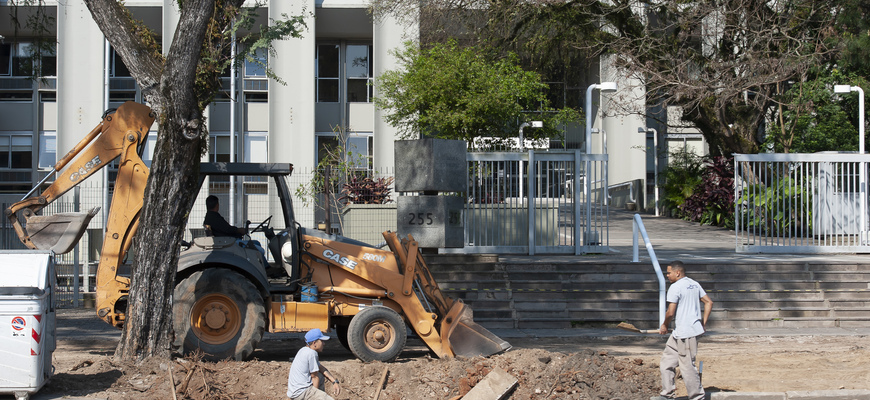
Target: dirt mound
541,374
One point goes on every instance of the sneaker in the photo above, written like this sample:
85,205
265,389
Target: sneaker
661,398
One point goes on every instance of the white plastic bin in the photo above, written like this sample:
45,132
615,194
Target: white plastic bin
27,320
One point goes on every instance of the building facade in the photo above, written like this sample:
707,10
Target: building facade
327,92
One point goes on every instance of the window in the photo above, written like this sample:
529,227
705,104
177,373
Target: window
257,65
16,151
357,151
47,149
17,60
117,67
122,87
5,59
359,73
219,148
148,152
256,147
344,73
326,69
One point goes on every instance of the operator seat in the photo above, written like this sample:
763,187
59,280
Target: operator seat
276,248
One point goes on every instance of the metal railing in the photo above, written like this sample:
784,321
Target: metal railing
536,202
629,185
801,203
637,227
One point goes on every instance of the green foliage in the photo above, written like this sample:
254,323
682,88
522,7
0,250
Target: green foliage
815,119
461,93
289,27
699,189
855,27
770,207
340,171
216,56
679,179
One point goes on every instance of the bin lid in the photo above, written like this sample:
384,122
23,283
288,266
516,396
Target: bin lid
25,269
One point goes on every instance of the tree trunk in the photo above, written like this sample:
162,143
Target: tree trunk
172,188
169,88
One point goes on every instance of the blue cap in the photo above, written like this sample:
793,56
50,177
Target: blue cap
315,334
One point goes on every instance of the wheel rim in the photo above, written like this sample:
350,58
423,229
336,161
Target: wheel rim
215,319
380,336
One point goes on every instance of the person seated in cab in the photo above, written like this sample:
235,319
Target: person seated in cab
216,223
219,227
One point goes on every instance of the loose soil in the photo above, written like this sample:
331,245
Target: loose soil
620,367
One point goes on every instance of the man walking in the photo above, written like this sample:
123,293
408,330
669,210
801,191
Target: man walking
304,381
684,304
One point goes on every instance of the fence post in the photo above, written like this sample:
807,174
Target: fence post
531,202
576,194
76,266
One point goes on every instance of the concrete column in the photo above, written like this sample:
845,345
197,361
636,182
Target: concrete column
80,54
291,107
389,34
622,113
171,15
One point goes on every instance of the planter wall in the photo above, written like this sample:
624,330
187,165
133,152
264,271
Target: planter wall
367,222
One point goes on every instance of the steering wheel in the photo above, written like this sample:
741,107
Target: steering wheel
261,227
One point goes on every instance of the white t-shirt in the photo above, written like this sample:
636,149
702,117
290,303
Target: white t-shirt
687,294
304,364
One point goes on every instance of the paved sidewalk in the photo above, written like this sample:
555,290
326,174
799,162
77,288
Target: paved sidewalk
794,395
674,239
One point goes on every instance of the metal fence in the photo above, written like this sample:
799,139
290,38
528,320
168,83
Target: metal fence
801,203
567,213
537,202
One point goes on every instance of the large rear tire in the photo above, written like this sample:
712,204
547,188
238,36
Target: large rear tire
377,334
220,312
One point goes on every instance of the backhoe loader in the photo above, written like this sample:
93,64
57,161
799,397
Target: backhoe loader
227,294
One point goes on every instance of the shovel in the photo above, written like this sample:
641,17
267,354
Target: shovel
630,327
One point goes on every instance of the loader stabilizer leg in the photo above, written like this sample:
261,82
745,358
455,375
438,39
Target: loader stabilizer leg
465,338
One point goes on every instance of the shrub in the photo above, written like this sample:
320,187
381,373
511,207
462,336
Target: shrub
679,179
712,200
366,190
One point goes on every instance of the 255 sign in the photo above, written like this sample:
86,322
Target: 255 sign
420,218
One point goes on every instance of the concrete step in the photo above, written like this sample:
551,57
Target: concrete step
852,312
572,294
773,297
853,294
842,276
849,303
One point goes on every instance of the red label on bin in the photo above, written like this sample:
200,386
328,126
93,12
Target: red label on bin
18,323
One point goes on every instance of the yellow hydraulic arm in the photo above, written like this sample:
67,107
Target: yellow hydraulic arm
119,135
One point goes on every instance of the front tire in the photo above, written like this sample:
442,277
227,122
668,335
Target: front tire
377,334
220,312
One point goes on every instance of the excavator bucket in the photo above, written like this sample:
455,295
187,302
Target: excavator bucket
58,232
466,338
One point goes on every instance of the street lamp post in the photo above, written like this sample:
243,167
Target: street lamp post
655,163
603,87
533,124
862,182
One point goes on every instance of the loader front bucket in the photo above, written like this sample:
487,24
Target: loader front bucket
465,337
58,232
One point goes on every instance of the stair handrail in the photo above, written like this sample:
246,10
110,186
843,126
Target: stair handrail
637,226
